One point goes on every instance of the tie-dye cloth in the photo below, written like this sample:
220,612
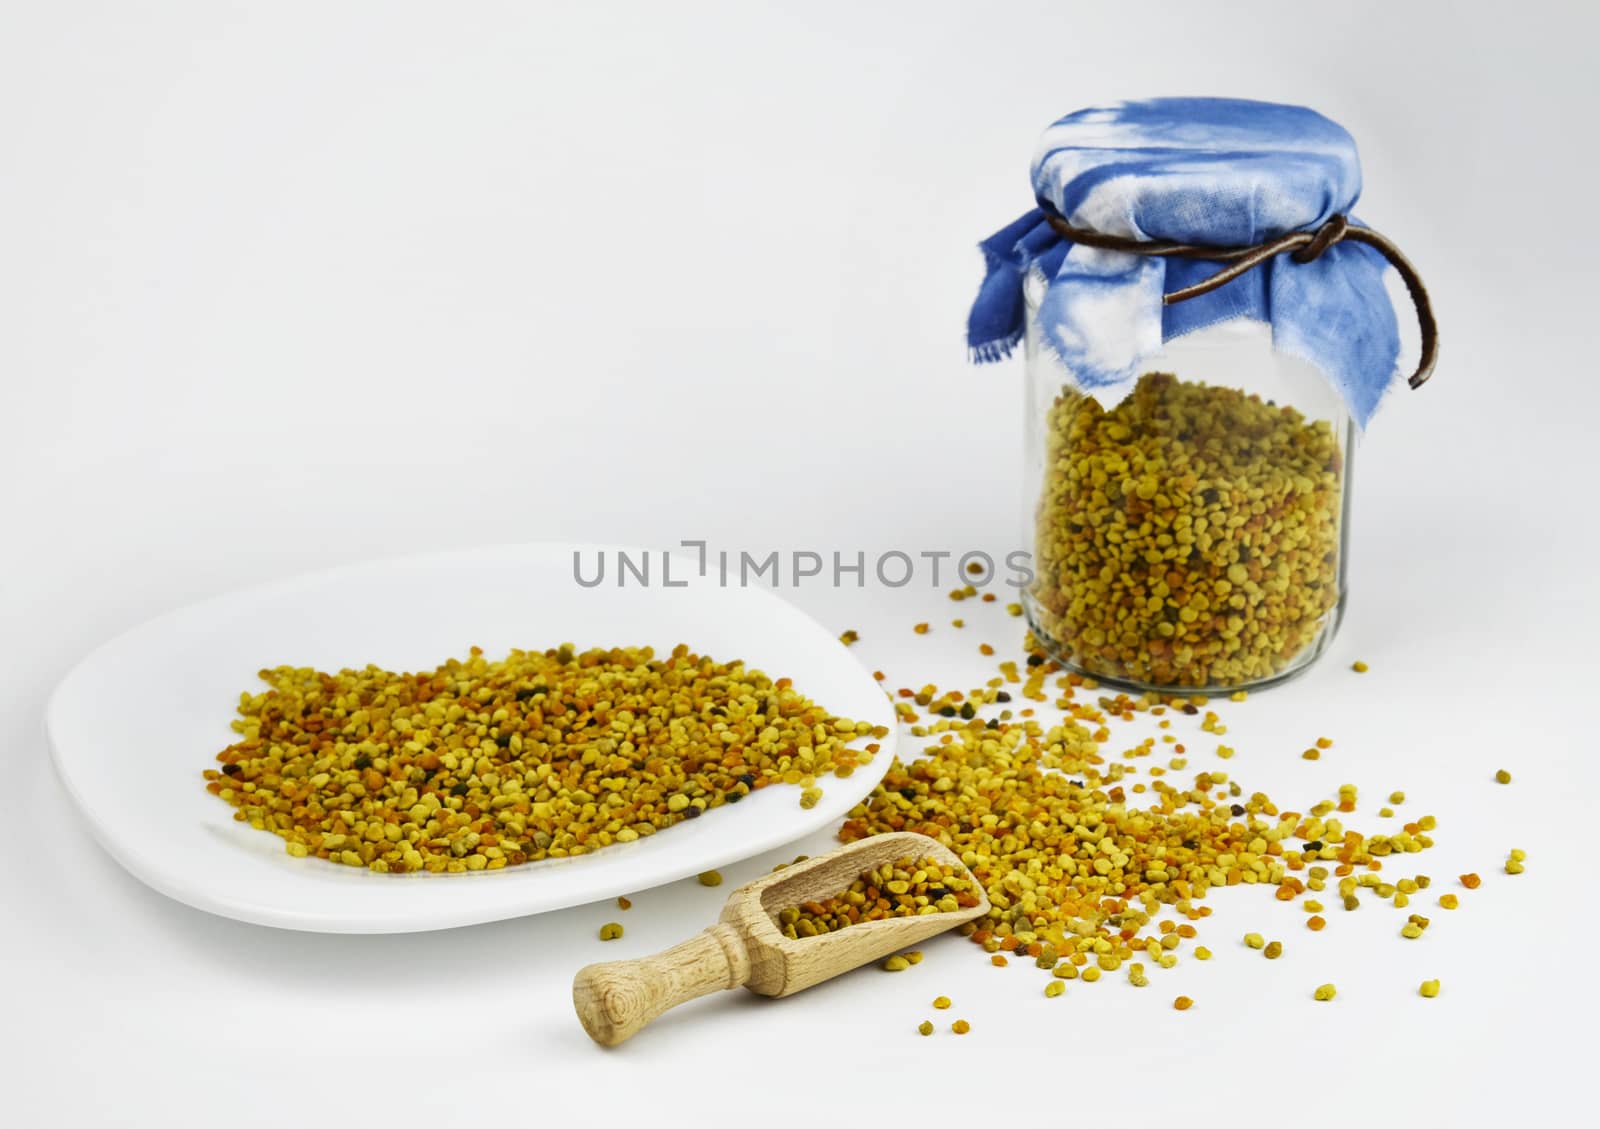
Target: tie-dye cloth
1212,171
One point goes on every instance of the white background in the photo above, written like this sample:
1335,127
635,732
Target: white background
289,284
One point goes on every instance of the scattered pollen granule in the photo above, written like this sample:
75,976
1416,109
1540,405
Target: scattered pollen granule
1078,868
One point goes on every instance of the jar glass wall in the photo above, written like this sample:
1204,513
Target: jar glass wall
1192,537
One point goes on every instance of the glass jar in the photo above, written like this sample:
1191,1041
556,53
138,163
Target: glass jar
1191,538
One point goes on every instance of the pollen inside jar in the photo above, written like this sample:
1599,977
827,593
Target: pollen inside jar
1188,537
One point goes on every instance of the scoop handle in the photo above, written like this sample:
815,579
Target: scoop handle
616,999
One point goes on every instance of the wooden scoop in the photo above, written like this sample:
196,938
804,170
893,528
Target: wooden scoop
616,999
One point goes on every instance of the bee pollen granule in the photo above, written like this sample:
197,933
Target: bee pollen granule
478,765
903,888
1153,561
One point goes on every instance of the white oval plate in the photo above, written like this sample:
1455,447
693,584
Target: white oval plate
132,727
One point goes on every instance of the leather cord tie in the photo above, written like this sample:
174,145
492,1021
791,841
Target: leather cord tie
1301,246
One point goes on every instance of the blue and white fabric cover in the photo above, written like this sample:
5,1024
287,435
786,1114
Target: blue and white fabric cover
1214,171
